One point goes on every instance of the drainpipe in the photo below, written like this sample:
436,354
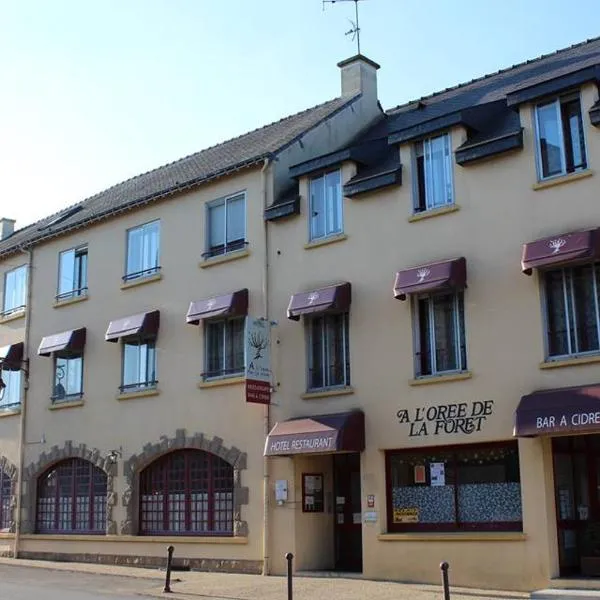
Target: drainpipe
22,417
265,171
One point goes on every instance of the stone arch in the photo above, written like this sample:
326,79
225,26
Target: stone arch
10,471
55,455
136,463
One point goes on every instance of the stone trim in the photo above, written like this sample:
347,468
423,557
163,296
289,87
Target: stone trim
11,471
53,456
136,463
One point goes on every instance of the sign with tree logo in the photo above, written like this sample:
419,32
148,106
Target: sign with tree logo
258,361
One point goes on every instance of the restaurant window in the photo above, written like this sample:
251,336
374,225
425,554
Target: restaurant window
11,397
139,364
5,501
187,492
439,333
143,251
572,310
226,225
224,350
453,489
72,273
433,184
559,136
68,378
328,351
15,291
326,205
71,498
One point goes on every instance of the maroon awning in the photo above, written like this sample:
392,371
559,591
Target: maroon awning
144,324
229,305
448,274
561,249
66,342
11,357
335,298
564,410
323,434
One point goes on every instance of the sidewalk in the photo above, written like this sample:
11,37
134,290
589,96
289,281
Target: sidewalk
225,586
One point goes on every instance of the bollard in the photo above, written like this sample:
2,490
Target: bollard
289,557
167,588
444,567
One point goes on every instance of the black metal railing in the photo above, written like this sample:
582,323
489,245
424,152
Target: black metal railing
10,311
76,293
225,248
334,376
140,274
60,398
141,385
222,373
10,405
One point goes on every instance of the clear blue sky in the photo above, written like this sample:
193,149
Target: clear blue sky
96,91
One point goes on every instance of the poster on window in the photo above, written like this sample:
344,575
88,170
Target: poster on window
406,515
257,348
437,474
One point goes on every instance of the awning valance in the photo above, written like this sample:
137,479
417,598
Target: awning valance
559,411
228,305
143,325
323,434
561,249
334,298
68,342
448,274
11,357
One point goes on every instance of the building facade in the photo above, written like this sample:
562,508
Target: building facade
430,276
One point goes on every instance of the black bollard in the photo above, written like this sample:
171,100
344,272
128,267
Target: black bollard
167,588
289,557
444,567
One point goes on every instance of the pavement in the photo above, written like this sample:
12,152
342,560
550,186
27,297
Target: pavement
148,583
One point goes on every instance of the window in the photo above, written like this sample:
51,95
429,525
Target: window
72,498
226,225
433,186
462,488
326,207
5,501
68,378
572,312
143,251
224,353
12,391
560,138
15,291
72,273
139,365
439,332
328,351
187,491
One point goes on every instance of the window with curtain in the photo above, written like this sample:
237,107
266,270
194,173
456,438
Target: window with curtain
15,291
139,364
72,273
71,498
143,251
433,183
560,139
68,378
572,310
226,224
474,487
12,392
326,205
439,332
224,348
5,501
187,492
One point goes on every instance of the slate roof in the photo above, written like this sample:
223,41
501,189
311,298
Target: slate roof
227,157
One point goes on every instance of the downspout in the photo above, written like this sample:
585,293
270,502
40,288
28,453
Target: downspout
266,407
23,415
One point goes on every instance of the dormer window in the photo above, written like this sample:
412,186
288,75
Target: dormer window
560,141
326,216
433,187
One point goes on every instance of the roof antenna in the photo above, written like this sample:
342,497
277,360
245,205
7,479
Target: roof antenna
355,30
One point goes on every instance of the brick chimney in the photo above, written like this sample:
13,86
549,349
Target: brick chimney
359,74
7,228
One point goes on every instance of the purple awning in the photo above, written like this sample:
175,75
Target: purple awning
335,298
143,325
228,305
433,277
67,342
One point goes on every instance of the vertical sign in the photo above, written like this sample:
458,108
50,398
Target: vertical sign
258,361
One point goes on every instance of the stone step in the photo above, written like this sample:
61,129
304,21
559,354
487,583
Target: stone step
565,594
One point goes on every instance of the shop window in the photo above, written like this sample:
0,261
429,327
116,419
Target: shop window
453,489
187,492
5,501
72,498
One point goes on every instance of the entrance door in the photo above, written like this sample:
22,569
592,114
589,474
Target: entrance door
348,522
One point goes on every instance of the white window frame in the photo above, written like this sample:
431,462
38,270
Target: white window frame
209,252
13,381
328,231
81,290
139,385
19,307
448,168
460,336
207,376
68,396
149,271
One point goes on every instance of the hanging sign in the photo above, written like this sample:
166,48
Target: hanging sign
257,349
